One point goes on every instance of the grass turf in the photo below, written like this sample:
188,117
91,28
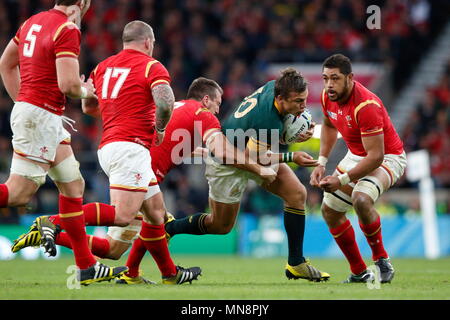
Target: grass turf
227,278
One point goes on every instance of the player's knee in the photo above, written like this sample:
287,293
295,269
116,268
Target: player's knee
361,202
296,197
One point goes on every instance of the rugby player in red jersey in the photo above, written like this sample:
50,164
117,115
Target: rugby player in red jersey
193,124
39,67
374,162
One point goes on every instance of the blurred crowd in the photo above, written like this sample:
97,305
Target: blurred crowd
232,42
429,128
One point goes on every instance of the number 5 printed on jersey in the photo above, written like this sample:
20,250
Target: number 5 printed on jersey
121,73
28,48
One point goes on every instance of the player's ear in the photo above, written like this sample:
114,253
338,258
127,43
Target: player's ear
350,76
205,100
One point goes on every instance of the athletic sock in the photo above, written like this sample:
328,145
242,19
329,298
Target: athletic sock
191,225
154,239
374,238
72,220
344,235
99,246
3,196
135,257
294,224
95,214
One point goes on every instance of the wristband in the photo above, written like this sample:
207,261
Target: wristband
84,93
344,179
287,157
322,161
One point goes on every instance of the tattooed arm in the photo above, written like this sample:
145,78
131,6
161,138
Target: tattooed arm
164,100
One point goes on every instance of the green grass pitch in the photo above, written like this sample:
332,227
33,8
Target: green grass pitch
227,278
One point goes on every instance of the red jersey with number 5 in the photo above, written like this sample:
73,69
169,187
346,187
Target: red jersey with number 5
362,115
123,84
190,126
42,39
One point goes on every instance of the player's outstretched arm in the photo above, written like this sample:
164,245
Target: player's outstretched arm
9,70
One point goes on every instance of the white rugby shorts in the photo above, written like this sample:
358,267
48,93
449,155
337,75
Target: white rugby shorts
127,165
227,183
37,133
393,166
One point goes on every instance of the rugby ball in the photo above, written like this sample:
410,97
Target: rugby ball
293,126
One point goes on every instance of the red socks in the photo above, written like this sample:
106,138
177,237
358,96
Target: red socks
344,235
3,196
95,214
135,256
154,239
98,246
72,220
373,235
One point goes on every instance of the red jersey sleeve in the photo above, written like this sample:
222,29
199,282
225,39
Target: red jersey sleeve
16,38
67,40
370,120
322,101
205,123
156,73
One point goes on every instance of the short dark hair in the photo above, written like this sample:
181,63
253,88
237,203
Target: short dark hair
339,61
201,87
137,31
66,2
290,81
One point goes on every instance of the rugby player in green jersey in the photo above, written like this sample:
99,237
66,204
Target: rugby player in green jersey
256,125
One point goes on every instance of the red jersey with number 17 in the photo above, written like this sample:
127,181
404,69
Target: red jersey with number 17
123,84
189,127
42,39
362,115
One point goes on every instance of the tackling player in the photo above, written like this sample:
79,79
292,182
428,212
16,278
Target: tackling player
39,67
192,124
249,126
374,162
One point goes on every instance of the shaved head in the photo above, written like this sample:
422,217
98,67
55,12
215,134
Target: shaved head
137,31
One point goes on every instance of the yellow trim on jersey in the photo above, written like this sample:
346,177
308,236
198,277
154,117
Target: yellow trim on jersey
95,70
362,105
149,65
70,215
372,132
66,53
158,81
61,27
16,38
152,239
201,110
255,145
277,106
323,97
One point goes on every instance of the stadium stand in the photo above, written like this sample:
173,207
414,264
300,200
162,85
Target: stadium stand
233,42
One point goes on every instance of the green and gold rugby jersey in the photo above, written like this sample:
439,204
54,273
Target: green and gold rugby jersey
257,119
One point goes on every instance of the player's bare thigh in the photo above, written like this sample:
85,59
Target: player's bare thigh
288,187
127,205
